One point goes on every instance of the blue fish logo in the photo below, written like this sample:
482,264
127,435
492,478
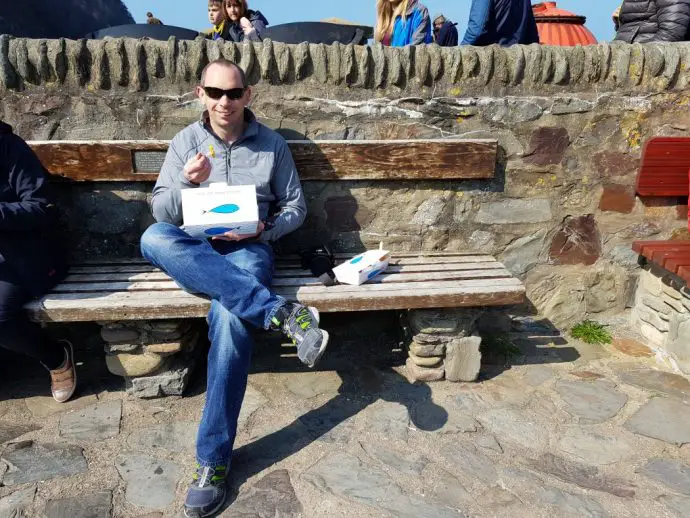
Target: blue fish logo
228,208
357,259
217,231
373,274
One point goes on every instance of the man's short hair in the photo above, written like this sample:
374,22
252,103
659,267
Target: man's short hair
215,2
149,15
226,63
439,17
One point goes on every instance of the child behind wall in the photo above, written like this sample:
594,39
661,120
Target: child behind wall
216,15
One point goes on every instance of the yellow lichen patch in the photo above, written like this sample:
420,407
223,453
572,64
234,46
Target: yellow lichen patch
455,91
630,126
585,180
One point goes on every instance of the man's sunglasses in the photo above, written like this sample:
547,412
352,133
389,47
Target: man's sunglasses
217,93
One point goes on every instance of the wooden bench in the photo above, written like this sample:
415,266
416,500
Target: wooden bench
134,297
665,171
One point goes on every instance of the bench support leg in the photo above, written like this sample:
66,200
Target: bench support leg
156,357
443,344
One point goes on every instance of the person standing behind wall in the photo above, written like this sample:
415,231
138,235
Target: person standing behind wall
242,23
445,32
216,15
402,22
505,22
654,20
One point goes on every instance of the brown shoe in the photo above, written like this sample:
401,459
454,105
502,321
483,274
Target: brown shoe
63,381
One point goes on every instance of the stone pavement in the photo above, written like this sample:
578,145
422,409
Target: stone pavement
564,429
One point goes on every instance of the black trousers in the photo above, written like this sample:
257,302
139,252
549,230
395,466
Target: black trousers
17,332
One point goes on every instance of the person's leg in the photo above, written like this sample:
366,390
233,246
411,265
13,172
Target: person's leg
228,368
20,335
198,268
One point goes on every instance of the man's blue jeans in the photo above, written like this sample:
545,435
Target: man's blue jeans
237,277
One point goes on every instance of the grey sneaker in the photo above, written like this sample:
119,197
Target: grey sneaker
301,325
207,492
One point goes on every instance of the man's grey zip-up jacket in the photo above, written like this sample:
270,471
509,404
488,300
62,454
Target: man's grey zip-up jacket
260,157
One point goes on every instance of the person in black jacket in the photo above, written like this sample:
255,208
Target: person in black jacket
31,260
642,21
445,32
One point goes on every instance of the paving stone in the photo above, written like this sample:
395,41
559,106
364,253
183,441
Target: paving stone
253,400
581,475
424,374
669,472
587,375
311,384
489,443
347,477
150,482
431,417
679,505
466,457
176,437
389,419
43,406
409,464
632,347
448,489
533,490
664,419
163,349
667,383
271,497
594,448
94,423
591,402
97,505
577,505
332,424
31,462
537,375
500,502
9,431
18,503
512,425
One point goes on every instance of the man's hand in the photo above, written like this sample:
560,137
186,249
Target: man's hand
198,169
231,236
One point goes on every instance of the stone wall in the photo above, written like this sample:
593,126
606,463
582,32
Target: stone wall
561,212
662,314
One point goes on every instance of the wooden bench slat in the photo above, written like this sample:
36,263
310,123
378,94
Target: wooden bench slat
684,273
672,264
70,307
167,284
664,167
647,248
418,159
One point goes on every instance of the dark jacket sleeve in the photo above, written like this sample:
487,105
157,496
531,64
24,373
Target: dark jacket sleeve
674,19
33,208
479,16
422,31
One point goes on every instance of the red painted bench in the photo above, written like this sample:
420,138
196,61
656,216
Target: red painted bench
665,171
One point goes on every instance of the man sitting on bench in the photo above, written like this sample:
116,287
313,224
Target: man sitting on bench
31,260
235,271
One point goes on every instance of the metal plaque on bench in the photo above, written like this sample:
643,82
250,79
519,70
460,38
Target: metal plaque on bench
148,161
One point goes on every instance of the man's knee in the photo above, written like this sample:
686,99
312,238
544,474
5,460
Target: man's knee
156,238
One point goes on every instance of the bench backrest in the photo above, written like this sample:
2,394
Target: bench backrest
423,159
665,167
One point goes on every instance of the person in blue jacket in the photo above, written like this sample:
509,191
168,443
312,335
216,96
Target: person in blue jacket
31,260
504,22
402,22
